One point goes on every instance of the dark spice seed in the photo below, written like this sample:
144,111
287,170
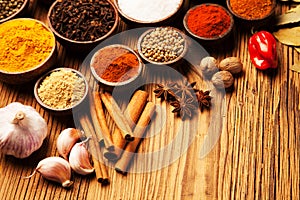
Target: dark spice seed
84,20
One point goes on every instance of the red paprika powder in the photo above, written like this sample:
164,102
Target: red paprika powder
115,64
208,20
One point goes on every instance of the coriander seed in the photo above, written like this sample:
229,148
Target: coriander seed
163,44
9,7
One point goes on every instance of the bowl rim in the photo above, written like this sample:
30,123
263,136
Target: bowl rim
254,19
39,81
101,80
83,42
162,63
44,61
147,22
22,8
206,38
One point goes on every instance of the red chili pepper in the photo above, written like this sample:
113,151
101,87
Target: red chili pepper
262,50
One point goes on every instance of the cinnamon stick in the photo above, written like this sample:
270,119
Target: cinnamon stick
100,169
132,114
117,115
99,121
123,163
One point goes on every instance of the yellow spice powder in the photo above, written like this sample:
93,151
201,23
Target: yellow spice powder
61,89
24,44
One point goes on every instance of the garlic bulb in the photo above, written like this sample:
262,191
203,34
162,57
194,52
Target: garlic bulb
66,140
54,169
79,159
22,130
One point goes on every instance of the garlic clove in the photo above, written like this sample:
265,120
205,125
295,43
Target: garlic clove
66,140
54,169
79,159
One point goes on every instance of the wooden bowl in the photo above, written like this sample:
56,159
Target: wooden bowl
18,13
35,72
81,46
110,84
253,22
171,62
209,41
139,22
62,111
47,2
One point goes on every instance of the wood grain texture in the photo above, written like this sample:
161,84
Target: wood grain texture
256,157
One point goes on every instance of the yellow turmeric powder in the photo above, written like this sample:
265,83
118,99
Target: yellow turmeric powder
24,44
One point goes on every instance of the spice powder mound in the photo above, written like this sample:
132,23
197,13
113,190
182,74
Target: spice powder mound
208,21
115,64
61,89
252,9
24,45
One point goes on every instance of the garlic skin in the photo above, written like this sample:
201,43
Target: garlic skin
79,159
66,140
22,130
54,169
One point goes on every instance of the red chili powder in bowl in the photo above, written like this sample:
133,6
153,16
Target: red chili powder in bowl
208,21
115,64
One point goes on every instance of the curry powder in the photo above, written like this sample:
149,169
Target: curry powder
24,45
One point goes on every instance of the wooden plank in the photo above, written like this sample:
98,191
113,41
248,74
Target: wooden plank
257,156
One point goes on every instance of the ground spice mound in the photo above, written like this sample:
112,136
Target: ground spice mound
61,89
208,21
24,45
251,9
115,64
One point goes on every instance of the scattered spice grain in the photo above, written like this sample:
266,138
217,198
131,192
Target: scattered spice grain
61,89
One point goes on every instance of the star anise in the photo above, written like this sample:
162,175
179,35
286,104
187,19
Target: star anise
184,107
185,90
166,91
204,100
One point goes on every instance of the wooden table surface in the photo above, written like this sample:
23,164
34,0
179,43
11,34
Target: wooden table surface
256,157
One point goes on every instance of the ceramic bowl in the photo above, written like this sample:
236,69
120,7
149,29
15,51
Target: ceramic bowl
208,41
35,72
61,111
129,18
254,22
81,46
111,84
18,13
170,62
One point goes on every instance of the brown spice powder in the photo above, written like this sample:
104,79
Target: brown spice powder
115,64
251,9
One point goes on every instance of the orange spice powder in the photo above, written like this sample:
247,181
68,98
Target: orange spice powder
251,9
115,64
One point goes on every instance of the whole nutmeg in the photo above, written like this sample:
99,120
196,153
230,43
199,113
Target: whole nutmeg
222,79
231,64
208,66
